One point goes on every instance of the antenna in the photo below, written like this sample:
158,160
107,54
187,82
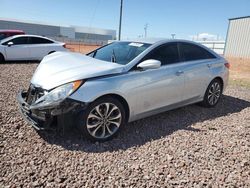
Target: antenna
173,35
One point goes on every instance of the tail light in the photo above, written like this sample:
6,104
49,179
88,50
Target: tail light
227,65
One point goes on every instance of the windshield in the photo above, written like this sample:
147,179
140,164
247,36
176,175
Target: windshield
119,52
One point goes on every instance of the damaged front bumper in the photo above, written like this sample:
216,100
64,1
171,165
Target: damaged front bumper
42,118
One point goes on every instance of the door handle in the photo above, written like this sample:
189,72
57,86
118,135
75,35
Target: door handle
178,73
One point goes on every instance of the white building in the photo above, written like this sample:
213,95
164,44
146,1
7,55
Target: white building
238,38
93,35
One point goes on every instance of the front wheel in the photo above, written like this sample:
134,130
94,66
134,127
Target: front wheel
213,94
1,58
103,119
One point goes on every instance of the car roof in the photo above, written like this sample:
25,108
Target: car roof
146,40
159,40
25,35
10,31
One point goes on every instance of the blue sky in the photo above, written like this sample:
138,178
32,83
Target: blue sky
185,18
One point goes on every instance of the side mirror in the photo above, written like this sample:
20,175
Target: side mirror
10,44
149,64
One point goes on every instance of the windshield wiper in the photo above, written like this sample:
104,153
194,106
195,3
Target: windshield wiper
113,57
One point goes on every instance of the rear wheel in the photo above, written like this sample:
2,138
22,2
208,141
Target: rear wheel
103,119
213,94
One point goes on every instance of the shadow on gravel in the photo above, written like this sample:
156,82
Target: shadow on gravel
151,128
20,62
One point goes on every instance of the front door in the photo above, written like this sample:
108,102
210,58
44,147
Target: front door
158,88
18,50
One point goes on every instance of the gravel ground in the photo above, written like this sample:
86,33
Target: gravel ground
187,147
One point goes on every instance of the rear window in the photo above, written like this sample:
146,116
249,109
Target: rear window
38,40
190,52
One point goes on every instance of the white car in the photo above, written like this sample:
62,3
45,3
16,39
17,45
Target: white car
28,47
121,82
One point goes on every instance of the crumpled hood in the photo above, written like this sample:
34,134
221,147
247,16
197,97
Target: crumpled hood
63,67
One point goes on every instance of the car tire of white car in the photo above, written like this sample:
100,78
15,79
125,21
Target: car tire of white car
103,119
213,93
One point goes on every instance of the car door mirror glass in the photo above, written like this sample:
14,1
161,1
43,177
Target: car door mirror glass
10,44
149,64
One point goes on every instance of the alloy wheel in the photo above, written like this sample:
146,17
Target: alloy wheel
104,120
214,93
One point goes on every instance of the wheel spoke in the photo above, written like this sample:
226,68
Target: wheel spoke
114,122
217,87
217,91
103,131
110,132
89,126
212,88
112,110
214,99
115,117
97,109
107,105
217,94
91,115
94,132
211,99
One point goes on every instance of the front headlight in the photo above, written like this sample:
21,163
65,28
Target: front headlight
58,94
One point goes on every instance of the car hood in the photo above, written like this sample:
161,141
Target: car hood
64,67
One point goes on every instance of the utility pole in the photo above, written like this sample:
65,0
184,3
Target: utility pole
173,36
146,29
120,23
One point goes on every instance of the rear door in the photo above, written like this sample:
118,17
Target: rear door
196,61
18,50
39,47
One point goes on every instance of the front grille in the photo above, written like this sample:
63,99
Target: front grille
33,94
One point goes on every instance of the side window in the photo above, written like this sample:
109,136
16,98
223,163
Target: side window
166,54
37,40
190,52
18,41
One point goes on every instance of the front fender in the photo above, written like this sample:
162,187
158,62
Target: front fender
91,90
2,51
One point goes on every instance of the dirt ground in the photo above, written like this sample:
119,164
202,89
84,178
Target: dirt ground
81,47
187,147
240,71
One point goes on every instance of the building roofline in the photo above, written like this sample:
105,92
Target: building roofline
76,28
238,18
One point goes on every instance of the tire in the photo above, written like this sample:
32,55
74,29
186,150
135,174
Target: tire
97,124
2,58
213,94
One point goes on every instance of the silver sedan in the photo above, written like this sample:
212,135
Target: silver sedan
121,82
